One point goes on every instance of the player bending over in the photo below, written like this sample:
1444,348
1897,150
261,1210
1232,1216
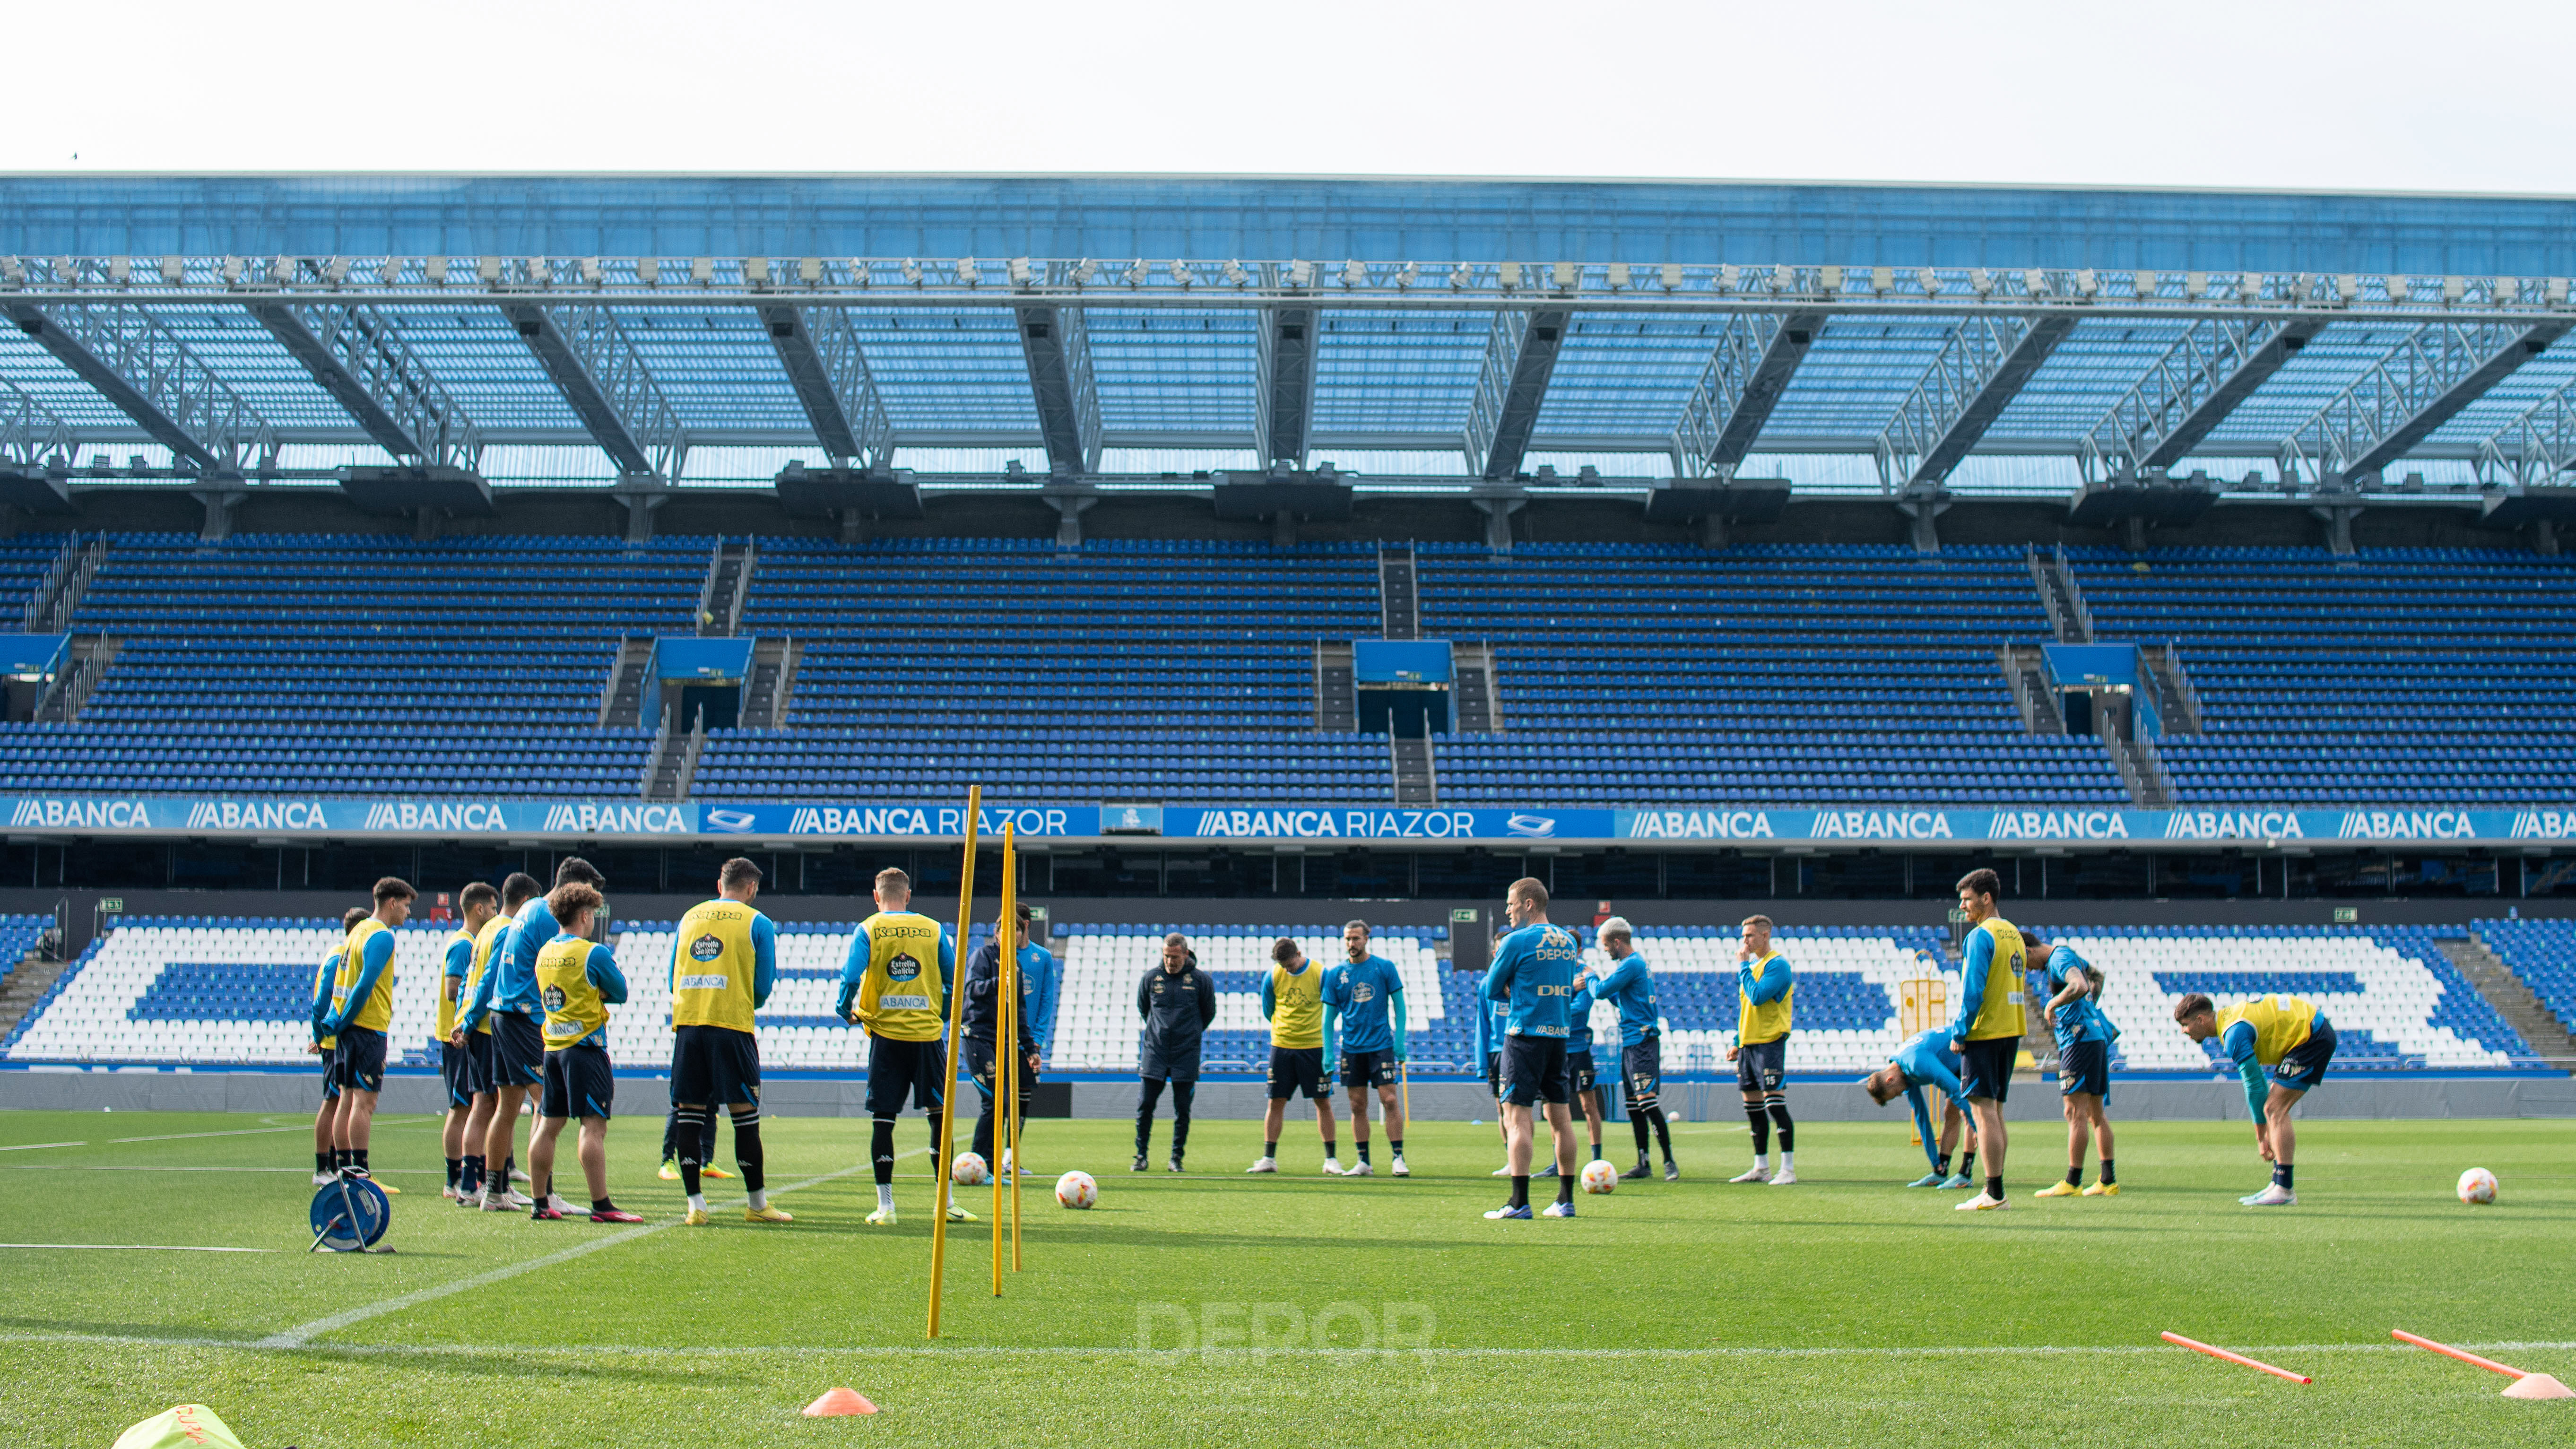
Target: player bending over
1927,1061
326,1118
476,1042
1987,1033
1763,987
724,960
2084,1036
1292,1001
577,981
1630,987
1177,1001
481,904
2285,1034
888,985
1534,970
1364,1003
362,1011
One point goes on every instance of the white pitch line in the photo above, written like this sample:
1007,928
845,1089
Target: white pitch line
242,1132
136,1248
303,1333
32,1146
923,1350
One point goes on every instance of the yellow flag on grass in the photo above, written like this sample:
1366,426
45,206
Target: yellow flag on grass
189,1426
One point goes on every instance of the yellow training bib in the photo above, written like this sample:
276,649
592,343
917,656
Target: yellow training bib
2280,1023
1297,1006
447,1009
486,941
1766,1022
900,997
712,966
1999,1011
376,1013
574,1011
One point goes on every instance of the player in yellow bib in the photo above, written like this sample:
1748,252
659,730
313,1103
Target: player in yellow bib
1763,991
1987,1033
326,1120
517,889
577,981
895,983
2295,1041
724,961
482,905
362,1011
1292,999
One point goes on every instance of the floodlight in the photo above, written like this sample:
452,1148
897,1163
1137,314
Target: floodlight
1408,275
335,270
970,273
1882,280
1085,272
912,271
1930,280
1462,276
2144,285
1618,276
755,271
1784,278
648,271
702,270
174,270
2454,288
230,269
2555,290
2087,284
2195,285
118,268
435,268
1355,273
809,270
487,268
2347,288
1236,273
390,272
1672,276
1019,270
1182,276
1567,276
1829,280
2035,282
1509,276
1301,274
2507,289
2249,287
1138,274
587,270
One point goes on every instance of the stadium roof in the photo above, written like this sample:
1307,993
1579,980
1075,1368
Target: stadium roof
1418,333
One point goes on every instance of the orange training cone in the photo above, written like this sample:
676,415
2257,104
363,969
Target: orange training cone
839,1401
2538,1386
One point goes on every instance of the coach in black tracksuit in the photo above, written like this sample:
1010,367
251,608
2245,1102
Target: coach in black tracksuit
1177,1001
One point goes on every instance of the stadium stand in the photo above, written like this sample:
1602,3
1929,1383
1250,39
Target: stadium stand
2376,678
2543,954
359,665
235,990
1181,669
1764,673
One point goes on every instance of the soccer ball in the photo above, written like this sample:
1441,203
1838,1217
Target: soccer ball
1599,1176
2477,1185
968,1170
1076,1190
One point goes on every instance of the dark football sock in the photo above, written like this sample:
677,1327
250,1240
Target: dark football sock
602,1205
1331,1149
1362,1149
1968,1165
1760,1122
1778,1104
1663,1131
1520,1191
455,1170
358,1159
881,1149
2281,1172
1995,1187
1565,1187
746,1150
1395,1145
322,1162
2107,1175
1942,1166
2075,1175
690,1142
1270,1149
1637,1124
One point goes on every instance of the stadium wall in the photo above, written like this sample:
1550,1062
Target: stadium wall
1187,511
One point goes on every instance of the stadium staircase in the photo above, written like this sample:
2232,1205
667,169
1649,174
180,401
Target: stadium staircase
1417,780
621,706
90,654
2521,1008
2026,672
1337,707
2177,701
1399,603
673,765
728,585
1475,703
2059,594
57,596
772,683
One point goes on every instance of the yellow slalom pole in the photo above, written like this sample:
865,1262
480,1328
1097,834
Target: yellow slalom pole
948,1067
1012,1105
1004,1040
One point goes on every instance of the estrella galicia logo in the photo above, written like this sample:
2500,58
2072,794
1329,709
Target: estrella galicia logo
1536,826
902,968
727,822
705,948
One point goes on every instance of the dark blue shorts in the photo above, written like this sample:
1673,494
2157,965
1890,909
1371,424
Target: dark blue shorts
2303,1066
1369,1069
360,1059
1760,1065
454,1073
1986,1067
478,1062
897,1069
1534,1071
2085,1066
578,1083
1581,1075
518,1051
330,1072
1641,1072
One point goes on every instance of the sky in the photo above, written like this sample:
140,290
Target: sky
2357,95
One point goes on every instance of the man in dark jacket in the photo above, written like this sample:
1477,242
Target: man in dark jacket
1177,1001
983,1024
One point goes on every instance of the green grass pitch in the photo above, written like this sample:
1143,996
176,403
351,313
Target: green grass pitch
1844,1310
